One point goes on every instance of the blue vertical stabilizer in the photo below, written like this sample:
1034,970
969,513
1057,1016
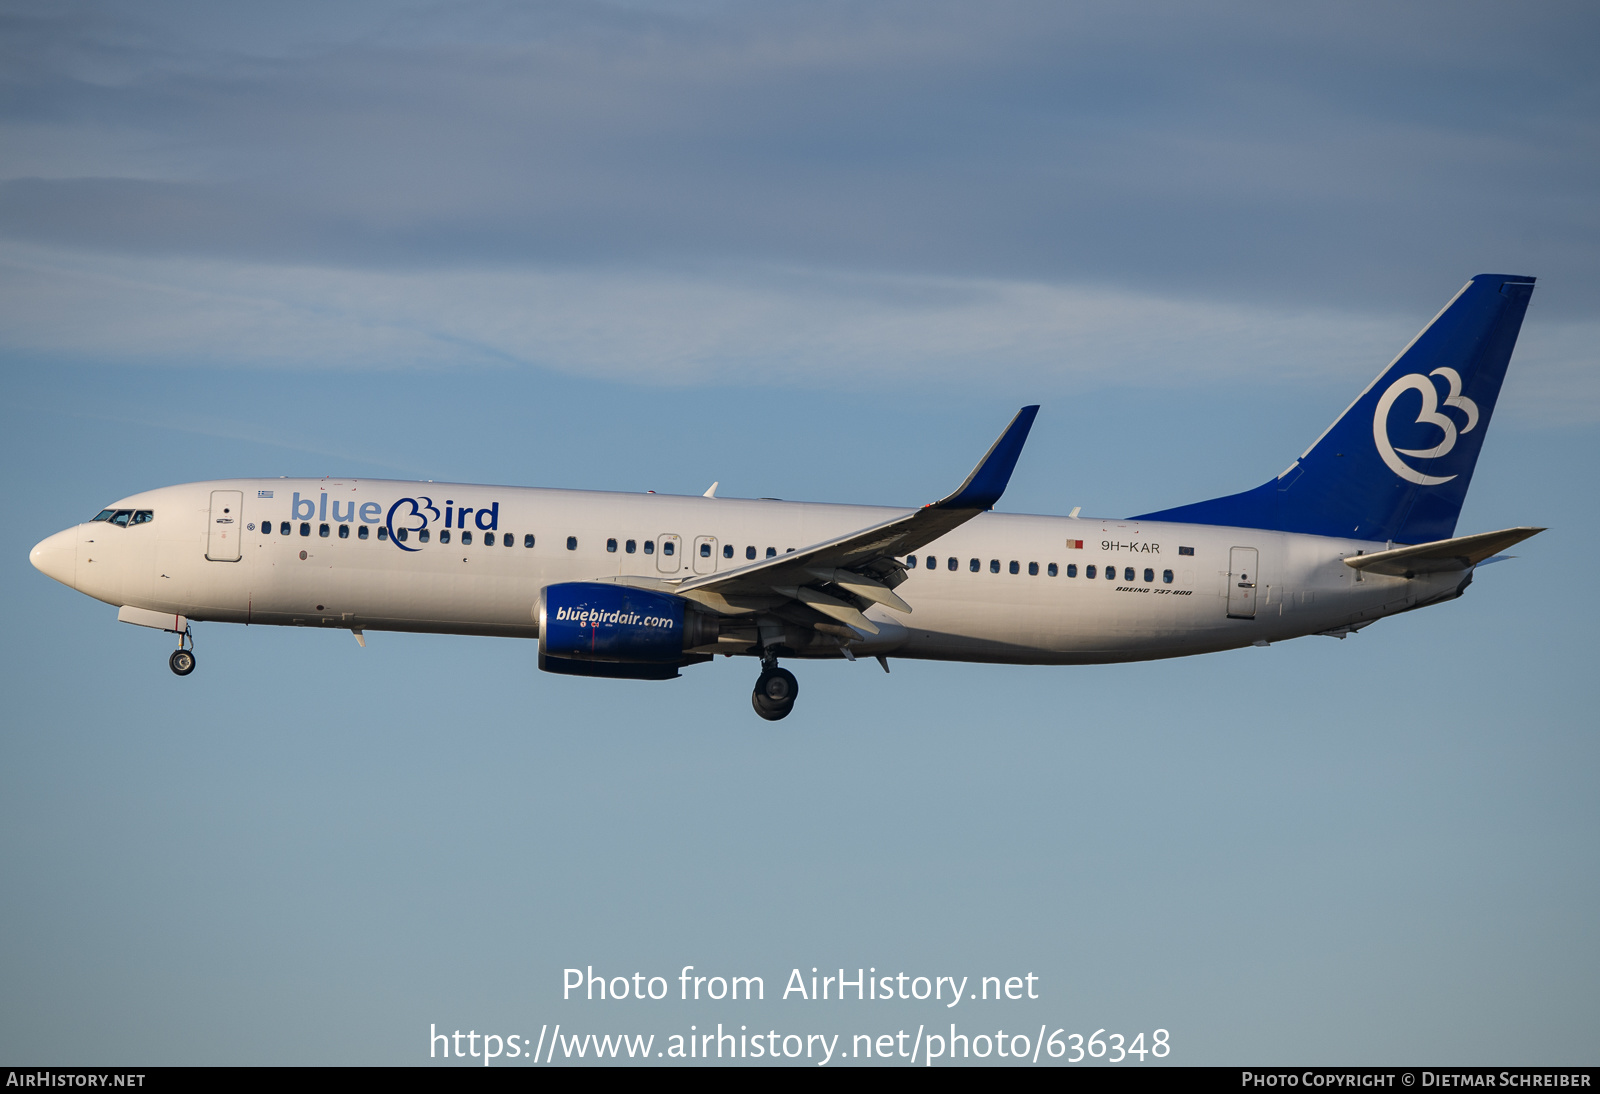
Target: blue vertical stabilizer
1397,464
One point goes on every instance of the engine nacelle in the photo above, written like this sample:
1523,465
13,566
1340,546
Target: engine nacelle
601,622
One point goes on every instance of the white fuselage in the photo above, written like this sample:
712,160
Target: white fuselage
1161,603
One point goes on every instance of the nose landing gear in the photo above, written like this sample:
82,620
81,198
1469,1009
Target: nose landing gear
775,692
182,660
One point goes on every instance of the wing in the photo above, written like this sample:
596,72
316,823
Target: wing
839,577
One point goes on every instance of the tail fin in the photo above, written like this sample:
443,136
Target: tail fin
1396,465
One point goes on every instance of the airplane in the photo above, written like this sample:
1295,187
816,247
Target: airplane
638,586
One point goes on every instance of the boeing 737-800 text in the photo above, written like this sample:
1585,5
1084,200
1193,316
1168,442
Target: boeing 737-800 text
637,586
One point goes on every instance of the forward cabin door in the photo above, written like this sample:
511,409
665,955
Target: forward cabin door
1242,579
227,508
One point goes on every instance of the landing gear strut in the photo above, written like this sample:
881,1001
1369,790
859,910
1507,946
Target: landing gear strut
182,660
775,691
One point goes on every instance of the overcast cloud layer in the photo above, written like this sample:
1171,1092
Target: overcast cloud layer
678,193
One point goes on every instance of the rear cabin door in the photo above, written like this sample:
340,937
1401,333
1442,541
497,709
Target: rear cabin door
227,508
705,554
1242,579
669,551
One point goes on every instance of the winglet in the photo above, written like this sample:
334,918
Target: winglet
988,480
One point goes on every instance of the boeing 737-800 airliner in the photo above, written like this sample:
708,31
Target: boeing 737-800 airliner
637,586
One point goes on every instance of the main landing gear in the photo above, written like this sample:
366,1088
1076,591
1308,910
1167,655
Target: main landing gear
775,691
182,660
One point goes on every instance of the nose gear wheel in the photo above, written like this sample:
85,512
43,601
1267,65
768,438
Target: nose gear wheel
182,660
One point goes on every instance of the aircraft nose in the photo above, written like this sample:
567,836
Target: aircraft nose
57,557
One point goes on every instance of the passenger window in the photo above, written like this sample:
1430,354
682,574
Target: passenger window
145,516
1033,569
1149,574
507,539
974,565
121,518
667,547
488,539
400,534
1089,572
1186,550
466,537
1127,573
631,546
527,541
572,543
1166,577
283,529
727,550
772,552
705,550
322,531
305,529
1014,567
383,533
444,535
911,563
361,533
423,535
611,546
1072,569
344,531
931,562
749,552
952,564
104,514
649,546
266,527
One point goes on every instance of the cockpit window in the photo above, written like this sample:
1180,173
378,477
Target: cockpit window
121,517
143,516
105,514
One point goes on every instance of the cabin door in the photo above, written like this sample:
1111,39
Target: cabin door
227,525
1242,580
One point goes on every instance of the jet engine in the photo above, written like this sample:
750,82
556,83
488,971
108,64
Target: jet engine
593,628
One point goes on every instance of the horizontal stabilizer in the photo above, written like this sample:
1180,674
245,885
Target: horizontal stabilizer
1440,556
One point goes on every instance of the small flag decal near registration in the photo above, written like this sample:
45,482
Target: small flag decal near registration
263,493
1074,544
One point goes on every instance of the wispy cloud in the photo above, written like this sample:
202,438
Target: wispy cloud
742,325
1244,151
774,193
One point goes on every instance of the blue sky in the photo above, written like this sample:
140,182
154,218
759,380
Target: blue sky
813,251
